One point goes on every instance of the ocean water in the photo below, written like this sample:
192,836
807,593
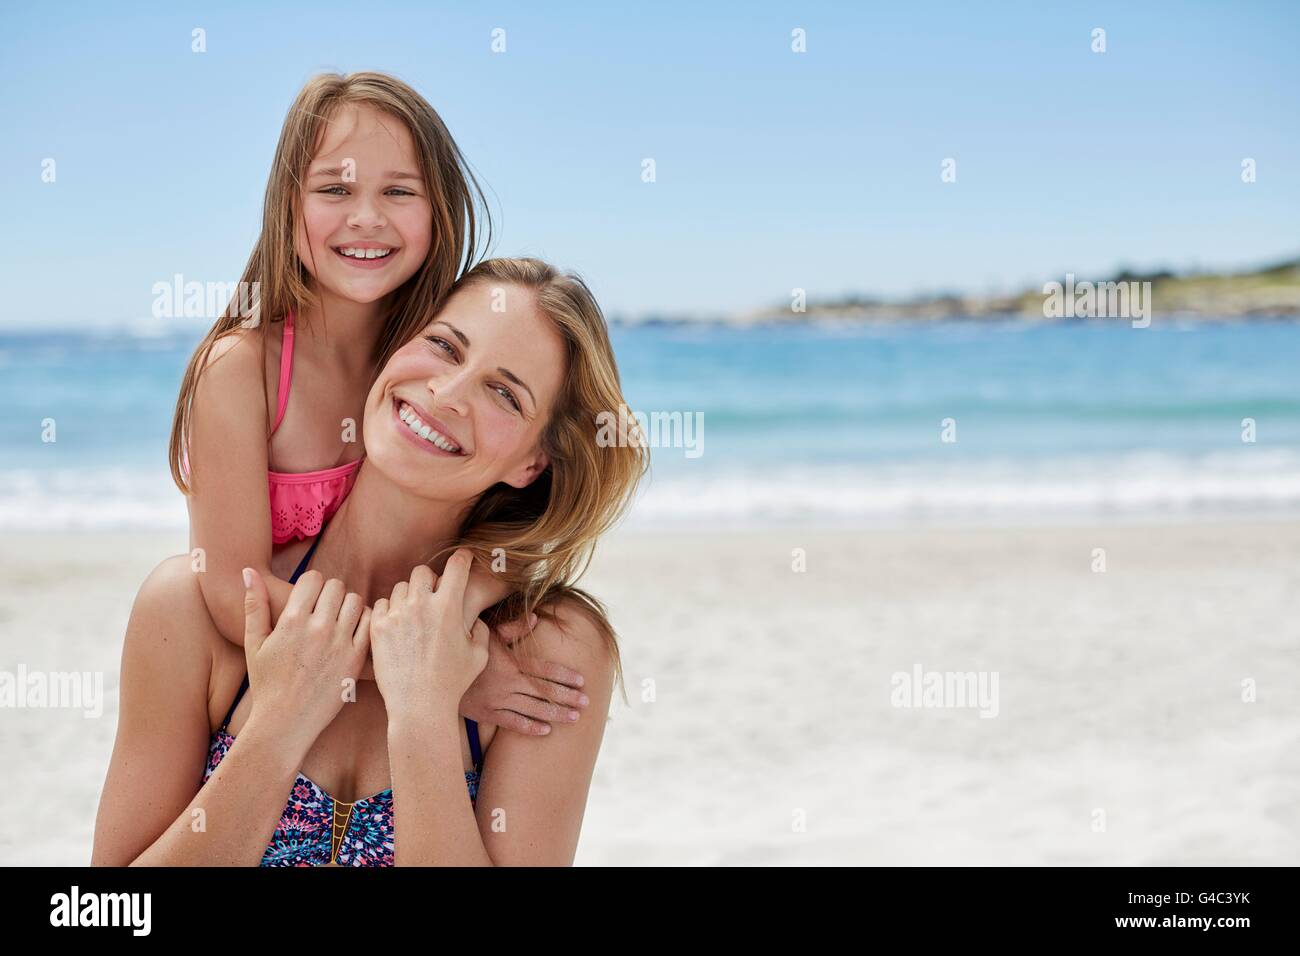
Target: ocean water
820,424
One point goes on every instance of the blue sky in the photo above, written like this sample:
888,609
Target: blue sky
774,169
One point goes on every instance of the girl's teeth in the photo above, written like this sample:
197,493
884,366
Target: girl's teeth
365,253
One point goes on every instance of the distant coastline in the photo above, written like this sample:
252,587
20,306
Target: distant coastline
1270,292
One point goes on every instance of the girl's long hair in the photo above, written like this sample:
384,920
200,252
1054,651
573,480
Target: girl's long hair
460,225
540,539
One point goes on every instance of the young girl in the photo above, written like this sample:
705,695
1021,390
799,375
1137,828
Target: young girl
368,218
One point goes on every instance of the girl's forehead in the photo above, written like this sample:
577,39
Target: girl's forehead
357,126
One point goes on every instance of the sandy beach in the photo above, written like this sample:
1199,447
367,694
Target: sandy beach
761,725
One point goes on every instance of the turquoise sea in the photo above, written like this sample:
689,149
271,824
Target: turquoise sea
821,423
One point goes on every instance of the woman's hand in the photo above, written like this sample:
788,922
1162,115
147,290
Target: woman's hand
300,670
424,658
507,697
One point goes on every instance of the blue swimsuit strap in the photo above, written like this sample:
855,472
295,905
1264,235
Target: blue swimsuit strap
471,727
475,751
293,579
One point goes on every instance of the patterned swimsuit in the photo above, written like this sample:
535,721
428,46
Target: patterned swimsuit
317,830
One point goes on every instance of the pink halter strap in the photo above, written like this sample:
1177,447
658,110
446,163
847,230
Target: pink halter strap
286,372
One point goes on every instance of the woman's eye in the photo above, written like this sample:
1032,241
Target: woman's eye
509,396
450,349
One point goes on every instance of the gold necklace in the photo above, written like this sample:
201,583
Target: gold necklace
338,828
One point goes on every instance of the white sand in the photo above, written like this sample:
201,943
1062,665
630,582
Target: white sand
1119,691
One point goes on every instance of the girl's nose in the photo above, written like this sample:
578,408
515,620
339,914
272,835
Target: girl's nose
365,214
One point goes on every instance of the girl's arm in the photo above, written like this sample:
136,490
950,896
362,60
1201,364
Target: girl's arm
149,811
230,510
533,791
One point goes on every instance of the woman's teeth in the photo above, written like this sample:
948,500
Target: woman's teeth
412,421
364,253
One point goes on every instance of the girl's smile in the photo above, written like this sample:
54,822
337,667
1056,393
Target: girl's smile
367,255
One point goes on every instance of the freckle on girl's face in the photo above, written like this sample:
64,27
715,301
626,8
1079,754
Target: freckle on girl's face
364,190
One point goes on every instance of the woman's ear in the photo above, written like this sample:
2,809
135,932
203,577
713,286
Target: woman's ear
527,473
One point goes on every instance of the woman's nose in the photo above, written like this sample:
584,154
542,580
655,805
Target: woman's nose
451,389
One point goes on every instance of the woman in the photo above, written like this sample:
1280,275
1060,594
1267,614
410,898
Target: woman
480,433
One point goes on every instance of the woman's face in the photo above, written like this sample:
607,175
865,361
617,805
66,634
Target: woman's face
366,223
463,405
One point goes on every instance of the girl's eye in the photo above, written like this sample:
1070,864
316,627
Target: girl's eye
337,190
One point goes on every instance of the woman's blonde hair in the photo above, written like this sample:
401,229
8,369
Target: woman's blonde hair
279,276
540,539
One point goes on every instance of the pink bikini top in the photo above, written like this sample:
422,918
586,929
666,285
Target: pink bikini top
302,503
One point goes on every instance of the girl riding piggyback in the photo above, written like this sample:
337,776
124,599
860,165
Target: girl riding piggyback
369,217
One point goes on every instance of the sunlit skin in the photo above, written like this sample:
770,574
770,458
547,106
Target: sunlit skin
386,204
514,356
337,328
469,369
494,416
363,187
488,378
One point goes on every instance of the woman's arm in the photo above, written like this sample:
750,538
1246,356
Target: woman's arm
230,511
533,790
149,811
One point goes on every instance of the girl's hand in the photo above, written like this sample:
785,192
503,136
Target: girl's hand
507,697
483,590
300,670
424,658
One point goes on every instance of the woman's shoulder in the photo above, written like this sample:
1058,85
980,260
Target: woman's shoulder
172,635
171,595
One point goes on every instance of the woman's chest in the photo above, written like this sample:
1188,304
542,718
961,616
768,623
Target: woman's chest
348,762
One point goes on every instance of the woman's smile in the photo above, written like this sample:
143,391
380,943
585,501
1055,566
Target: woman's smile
411,423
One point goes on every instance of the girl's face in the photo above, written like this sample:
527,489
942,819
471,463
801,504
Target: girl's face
366,221
463,406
